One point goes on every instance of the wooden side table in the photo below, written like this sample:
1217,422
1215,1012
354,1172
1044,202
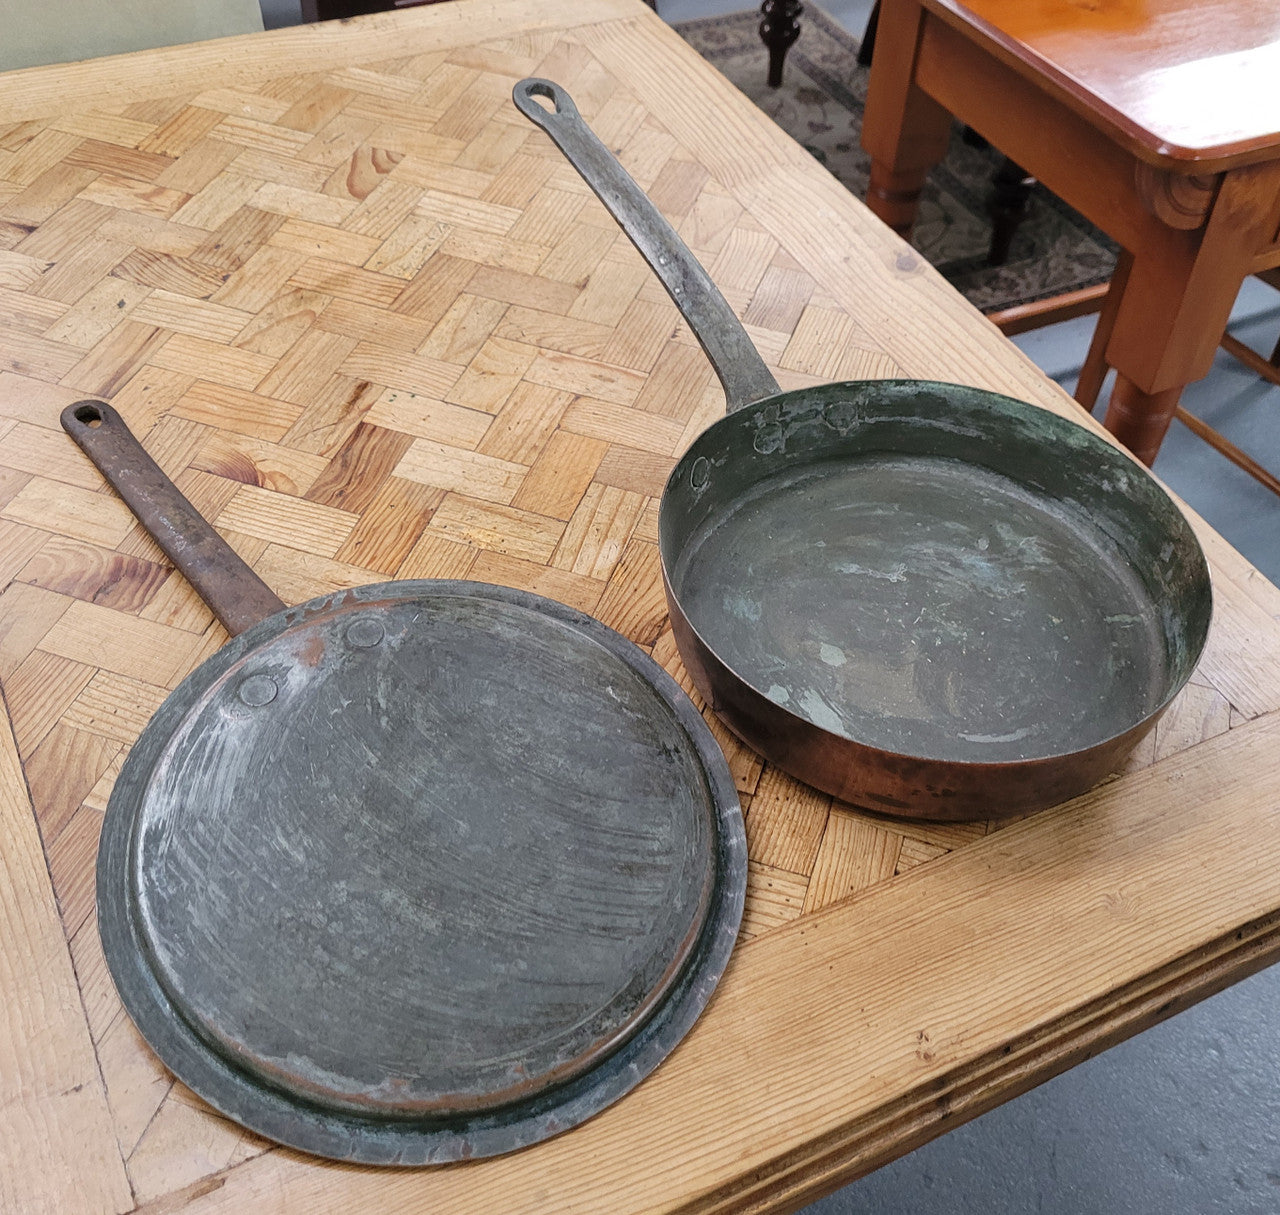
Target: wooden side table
1161,126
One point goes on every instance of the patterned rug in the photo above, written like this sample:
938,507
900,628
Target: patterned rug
820,105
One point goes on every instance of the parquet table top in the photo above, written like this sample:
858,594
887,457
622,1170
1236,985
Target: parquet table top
375,327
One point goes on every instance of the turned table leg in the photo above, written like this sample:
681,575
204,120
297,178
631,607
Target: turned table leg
1177,295
905,131
1140,419
779,28
894,197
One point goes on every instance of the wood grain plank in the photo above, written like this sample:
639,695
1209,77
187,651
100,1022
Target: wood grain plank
236,410
378,326
560,475
915,852
197,317
466,472
634,603
390,368
615,423
26,614
18,271
97,312
283,314
62,772
136,1081
576,590
786,822
641,472
205,360
11,481
127,645
33,449
42,686
498,528
58,1152
854,855
428,418
35,401
462,332
280,518
1249,678
71,855
390,525
256,462
317,240
551,331
352,478
114,708
676,383
438,556
177,605
492,376
70,511
774,897
334,412
779,299
296,576
524,423
641,334
598,531
585,377
408,247
183,1143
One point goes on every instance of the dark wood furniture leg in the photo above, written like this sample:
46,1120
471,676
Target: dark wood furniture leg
1007,205
866,48
779,28
331,10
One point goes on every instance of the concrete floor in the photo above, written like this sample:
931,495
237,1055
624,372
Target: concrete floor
1185,1118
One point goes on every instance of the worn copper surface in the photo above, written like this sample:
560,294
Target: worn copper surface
416,871
927,599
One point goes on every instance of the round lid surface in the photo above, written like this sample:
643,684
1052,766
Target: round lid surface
420,853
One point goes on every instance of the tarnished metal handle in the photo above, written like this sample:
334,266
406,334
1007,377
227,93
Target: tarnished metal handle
736,361
236,595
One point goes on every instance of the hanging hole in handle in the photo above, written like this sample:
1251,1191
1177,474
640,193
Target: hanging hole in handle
531,93
541,93
89,414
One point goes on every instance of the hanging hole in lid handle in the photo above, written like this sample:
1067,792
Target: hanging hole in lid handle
88,413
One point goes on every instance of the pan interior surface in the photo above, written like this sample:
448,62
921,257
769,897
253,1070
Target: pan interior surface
923,578
422,856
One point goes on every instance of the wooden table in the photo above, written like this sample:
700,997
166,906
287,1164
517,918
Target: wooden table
374,326
1160,122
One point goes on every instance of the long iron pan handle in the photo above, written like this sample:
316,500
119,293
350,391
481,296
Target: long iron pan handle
736,361
236,595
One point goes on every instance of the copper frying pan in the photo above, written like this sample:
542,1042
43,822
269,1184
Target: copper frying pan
927,599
